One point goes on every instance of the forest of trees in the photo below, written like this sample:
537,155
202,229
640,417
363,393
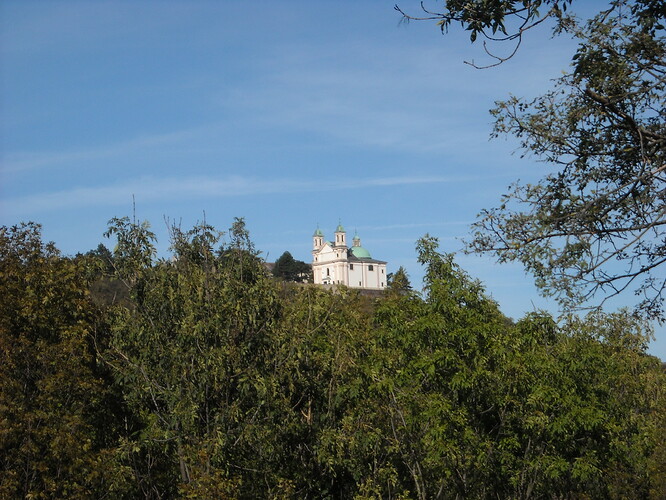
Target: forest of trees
201,375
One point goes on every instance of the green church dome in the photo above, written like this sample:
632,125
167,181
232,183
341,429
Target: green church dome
339,229
318,232
361,253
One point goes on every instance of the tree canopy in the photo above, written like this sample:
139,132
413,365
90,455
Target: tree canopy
290,269
399,281
211,379
595,225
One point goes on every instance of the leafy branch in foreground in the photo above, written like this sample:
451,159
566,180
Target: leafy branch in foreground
495,21
595,225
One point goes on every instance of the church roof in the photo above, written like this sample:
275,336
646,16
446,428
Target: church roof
318,232
339,229
353,258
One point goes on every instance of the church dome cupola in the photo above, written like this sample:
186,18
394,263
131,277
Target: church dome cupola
360,253
357,250
356,242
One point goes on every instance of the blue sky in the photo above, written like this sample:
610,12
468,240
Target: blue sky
290,114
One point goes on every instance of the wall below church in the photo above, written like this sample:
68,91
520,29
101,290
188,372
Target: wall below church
357,274
367,275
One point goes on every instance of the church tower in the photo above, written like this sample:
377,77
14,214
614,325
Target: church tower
317,239
340,236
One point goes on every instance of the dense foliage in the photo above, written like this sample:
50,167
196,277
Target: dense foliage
212,379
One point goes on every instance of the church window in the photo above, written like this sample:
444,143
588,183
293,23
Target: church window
370,268
328,272
359,283
351,266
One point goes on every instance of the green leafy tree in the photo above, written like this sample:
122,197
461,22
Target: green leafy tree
290,269
105,288
321,339
399,281
214,381
58,416
134,250
457,402
421,428
190,355
104,257
596,224
240,255
496,22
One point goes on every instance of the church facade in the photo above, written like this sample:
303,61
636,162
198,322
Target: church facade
334,263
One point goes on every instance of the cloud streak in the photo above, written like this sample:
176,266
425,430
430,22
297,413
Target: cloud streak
414,225
372,99
150,189
24,161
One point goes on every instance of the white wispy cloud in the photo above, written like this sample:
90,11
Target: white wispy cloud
20,161
369,99
151,189
407,98
415,225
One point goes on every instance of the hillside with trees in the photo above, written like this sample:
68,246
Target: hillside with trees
209,378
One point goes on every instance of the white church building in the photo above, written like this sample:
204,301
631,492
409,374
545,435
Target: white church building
333,263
